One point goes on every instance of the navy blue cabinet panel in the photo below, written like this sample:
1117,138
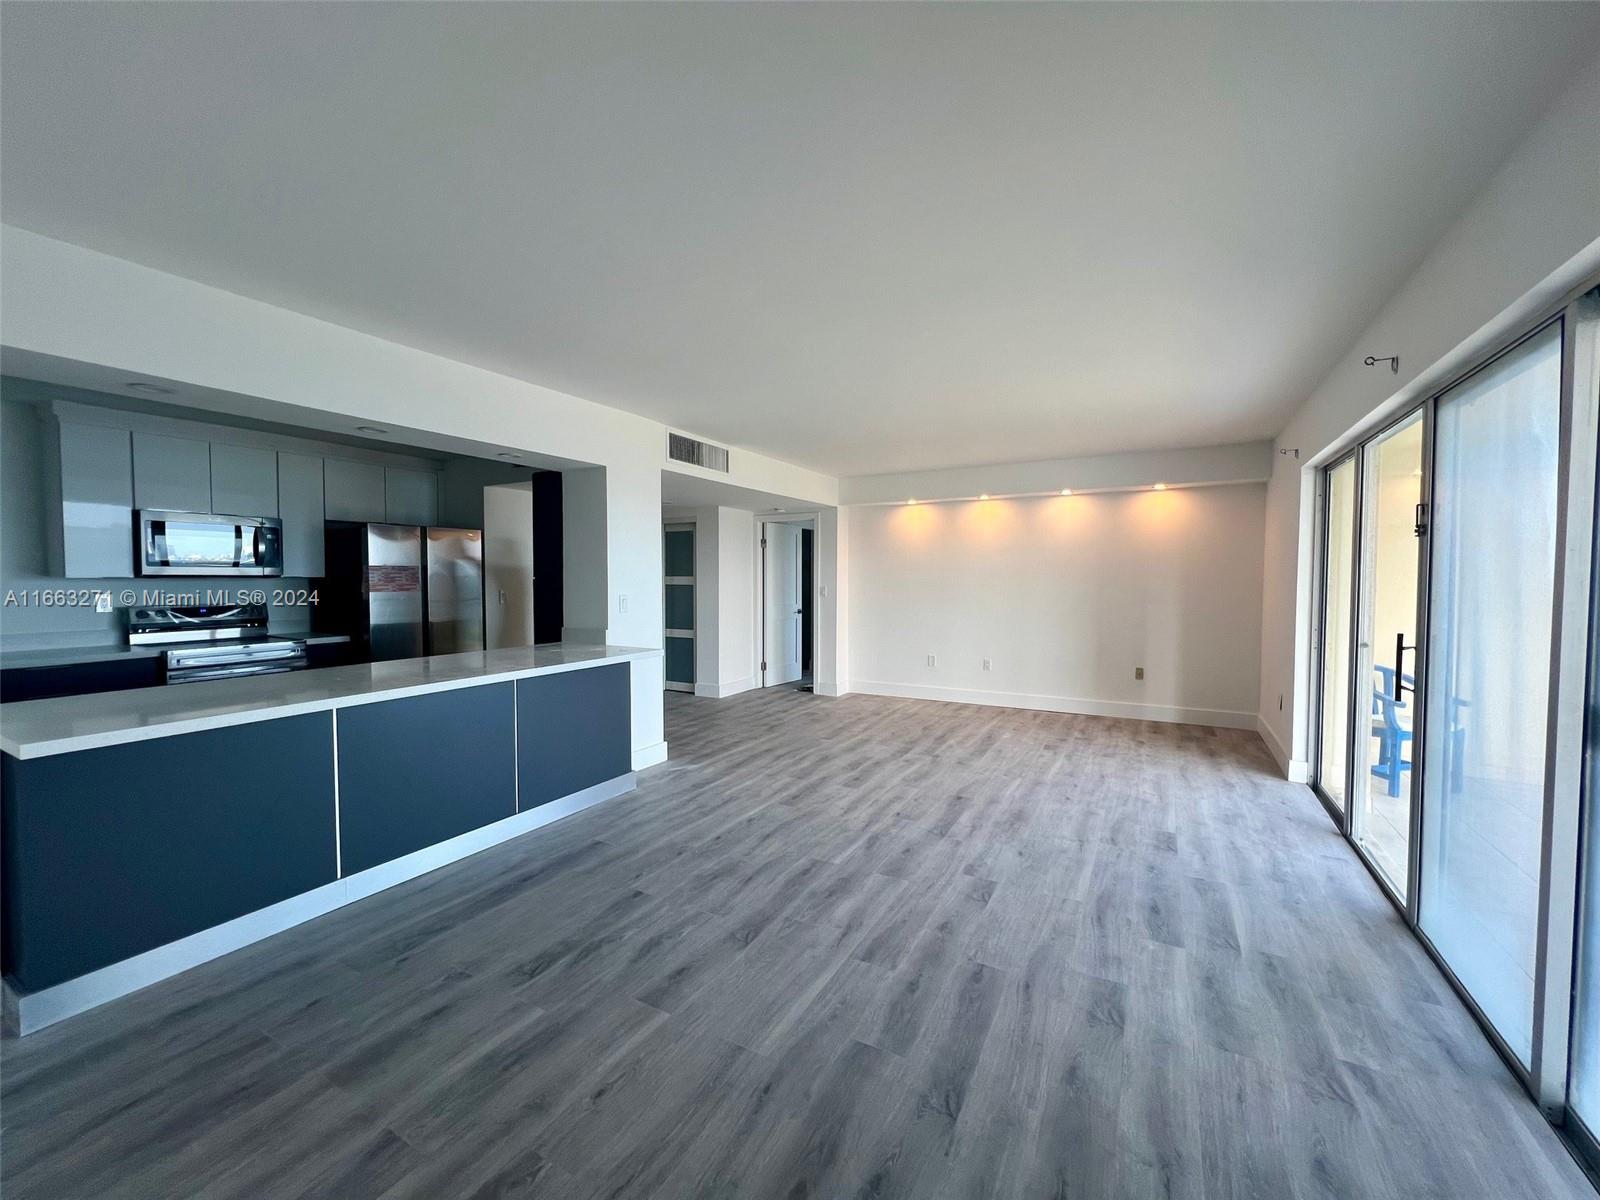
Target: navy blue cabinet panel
111,852
574,730
418,771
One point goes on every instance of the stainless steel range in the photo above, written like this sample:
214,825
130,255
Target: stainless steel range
214,642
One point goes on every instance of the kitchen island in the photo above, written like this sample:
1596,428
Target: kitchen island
147,831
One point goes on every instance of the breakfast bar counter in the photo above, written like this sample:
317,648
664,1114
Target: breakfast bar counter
145,831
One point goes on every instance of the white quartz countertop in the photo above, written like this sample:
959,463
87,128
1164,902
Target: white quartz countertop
37,728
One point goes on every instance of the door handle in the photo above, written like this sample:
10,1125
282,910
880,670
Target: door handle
1400,687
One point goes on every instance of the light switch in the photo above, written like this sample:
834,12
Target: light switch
622,603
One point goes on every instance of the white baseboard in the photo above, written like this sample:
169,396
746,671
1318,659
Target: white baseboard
719,691
833,689
25,1013
649,756
1294,770
1221,717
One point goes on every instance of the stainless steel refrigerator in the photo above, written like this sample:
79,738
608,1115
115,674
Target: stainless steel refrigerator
402,591
453,604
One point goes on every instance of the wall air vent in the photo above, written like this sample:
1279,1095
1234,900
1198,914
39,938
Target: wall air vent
696,453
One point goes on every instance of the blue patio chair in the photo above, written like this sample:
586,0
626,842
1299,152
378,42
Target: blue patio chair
1391,725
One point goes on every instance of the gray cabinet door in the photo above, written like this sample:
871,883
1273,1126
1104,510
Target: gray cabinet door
244,480
171,473
96,502
410,497
353,491
300,508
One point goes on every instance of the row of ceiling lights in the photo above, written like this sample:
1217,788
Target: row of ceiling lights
1154,487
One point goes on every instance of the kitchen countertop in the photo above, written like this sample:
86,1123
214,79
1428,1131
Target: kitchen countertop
38,728
66,656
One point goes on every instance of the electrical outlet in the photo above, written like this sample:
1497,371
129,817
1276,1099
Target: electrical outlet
1138,672
987,664
932,661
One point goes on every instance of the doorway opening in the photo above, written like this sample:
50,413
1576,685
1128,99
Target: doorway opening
788,588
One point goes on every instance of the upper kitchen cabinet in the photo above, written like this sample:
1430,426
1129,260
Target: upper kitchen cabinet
171,472
244,480
300,506
410,497
96,503
353,491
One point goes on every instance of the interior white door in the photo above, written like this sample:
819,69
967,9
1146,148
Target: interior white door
782,603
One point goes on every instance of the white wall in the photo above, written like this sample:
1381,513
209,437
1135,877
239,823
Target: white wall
1527,238
587,607
1066,595
62,302
736,592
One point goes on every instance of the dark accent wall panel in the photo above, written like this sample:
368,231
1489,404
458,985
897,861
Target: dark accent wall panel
111,852
574,730
548,558
424,769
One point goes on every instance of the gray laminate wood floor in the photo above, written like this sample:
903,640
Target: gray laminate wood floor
835,948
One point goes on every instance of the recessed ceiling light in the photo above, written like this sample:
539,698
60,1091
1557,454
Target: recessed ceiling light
370,429
139,385
1160,487
509,454
1066,491
985,496
911,499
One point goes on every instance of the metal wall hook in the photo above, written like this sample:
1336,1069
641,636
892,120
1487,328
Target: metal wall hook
1393,360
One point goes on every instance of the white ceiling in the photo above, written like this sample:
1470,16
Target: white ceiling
863,238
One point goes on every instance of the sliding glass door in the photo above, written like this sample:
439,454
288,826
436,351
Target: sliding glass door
1459,728
1385,703
1583,1097
1337,618
1497,446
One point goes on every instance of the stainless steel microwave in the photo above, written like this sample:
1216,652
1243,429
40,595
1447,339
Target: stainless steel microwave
181,543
